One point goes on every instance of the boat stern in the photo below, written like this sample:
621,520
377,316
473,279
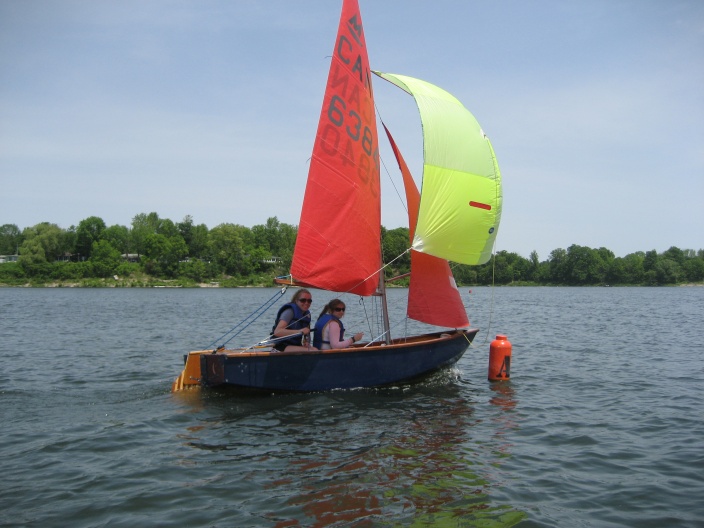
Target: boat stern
191,376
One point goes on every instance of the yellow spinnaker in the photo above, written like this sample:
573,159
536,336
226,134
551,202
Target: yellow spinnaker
460,205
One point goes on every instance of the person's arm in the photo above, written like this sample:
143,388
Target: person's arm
334,329
286,318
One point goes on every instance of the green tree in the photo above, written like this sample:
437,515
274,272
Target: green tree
534,270
464,274
104,259
616,272
633,264
585,266
395,244
88,232
522,267
503,270
195,236
255,261
12,273
163,254
119,237
195,270
198,245
285,243
542,275
32,254
649,260
185,228
226,246
667,271
167,228
694,269
71,270
68,242
10,239
558,266
143,225
42,241
675,254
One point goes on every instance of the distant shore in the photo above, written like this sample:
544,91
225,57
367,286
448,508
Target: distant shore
247,283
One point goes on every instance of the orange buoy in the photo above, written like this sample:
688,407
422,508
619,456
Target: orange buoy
500,359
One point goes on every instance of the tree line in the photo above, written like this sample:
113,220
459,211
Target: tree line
158,249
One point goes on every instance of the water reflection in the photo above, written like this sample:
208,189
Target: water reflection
361,458
504,395
425,468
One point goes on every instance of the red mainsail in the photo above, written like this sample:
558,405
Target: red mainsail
433,297
338,247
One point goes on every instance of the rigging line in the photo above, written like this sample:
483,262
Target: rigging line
370,319
378,271
267,342
257,312
378,338
453,265
272,338
393,184
386,169
366,315
493,291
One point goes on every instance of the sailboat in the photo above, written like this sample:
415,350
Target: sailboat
338,246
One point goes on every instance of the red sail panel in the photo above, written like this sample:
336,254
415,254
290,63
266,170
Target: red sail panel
338,246
433,297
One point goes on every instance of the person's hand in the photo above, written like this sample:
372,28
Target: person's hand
358,336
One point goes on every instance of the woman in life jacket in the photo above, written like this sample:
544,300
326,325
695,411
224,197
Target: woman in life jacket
329,331
293,319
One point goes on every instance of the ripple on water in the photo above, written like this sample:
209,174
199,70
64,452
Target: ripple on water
600,425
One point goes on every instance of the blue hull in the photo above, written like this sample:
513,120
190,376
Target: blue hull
369,366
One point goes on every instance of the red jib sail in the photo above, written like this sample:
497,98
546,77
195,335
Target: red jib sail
338,246
433,297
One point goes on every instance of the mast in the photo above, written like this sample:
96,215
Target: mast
384,308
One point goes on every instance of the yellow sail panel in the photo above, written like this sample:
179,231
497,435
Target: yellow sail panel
461,198
453,221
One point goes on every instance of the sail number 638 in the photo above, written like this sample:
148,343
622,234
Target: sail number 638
336,114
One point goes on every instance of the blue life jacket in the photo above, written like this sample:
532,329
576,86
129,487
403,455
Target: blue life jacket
300,320
322,323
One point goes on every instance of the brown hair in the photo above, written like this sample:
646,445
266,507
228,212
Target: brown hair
329,307
299,293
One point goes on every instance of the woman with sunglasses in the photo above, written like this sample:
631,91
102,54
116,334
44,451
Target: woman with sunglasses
293,319
329,331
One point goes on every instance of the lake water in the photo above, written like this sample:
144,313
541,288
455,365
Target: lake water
602,423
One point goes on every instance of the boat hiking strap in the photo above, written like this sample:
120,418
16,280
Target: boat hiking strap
248,320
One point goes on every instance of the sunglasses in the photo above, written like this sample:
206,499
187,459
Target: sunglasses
305,300
338,309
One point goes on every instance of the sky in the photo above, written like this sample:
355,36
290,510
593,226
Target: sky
209,108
